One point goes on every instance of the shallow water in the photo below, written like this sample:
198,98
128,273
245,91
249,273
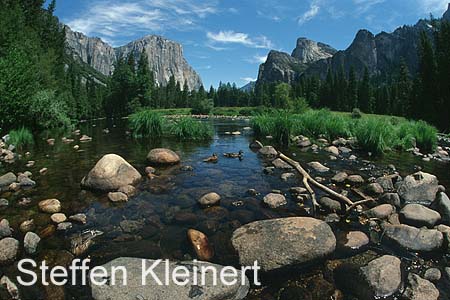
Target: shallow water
154,223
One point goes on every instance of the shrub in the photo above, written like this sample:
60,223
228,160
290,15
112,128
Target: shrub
20,137
49,111
146,123
356,113
187,128
202,106
300,105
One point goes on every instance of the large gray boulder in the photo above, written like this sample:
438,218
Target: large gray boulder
419,215
153,291
380,278
111,173
414,239
161,156
418,188
278,243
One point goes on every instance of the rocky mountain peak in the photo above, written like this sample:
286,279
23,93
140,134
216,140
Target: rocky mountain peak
447,14
165,57
308,51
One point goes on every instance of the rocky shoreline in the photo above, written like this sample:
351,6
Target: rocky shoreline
392,245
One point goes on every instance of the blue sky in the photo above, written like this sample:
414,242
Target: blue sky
227,40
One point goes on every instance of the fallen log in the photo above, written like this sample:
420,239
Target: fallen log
307,179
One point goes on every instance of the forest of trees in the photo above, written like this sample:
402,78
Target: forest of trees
43,86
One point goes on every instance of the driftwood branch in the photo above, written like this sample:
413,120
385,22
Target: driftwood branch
308,179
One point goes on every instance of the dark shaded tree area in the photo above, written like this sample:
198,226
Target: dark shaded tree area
40,84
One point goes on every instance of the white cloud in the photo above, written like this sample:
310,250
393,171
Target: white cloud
363,6
111,19
257,59
231,37
248,79
437,7
314,9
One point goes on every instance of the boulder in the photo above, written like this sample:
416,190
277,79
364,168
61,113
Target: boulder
161,156
274,200
117,197
287,176
31,242
419,289
10,287
50,206
64,226
9,248
380,278
442,205
414,239
318,167
209,199
418,188
281,164
268,151
419,215
110,173
27,225
201,245
386,183
128,190
7,179
154,291
284,242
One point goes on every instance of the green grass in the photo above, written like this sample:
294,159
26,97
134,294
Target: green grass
146,123
20,137
187,128
374,133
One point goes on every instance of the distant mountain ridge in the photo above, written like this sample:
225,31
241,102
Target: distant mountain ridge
380,54
165,57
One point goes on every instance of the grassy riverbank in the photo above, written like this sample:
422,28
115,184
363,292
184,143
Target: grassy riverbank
373,133
149,123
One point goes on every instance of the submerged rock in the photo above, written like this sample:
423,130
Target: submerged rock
111,173
418,188
419,215
117,197
419,289
50,206
58,218
201,245
161,156
10,287
433,275
284,242
209,199
339,177
382,277
7,179
153,291
414,239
